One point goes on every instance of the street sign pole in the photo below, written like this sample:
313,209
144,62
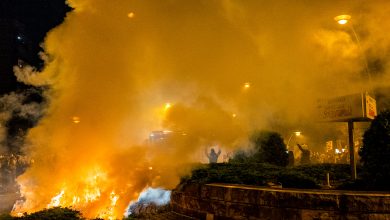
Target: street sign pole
352,158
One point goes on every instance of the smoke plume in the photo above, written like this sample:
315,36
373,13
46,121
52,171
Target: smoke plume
226,67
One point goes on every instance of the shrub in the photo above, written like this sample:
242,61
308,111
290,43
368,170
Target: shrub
294,179
57,213
375,153
269,148
309,176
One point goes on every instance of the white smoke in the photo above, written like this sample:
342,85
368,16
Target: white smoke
156,196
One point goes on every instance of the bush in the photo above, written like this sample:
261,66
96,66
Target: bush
259,174
235,173
57,213
240,156
337,172
375,153
269,148
6,217
294,179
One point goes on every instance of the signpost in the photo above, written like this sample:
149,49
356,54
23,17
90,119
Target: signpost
349,108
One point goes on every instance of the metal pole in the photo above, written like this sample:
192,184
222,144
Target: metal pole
364,59
288,142
352,158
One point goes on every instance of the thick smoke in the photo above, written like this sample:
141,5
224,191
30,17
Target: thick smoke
18,112
112,66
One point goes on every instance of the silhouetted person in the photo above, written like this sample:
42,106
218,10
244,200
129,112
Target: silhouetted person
305,159
213,157
291,159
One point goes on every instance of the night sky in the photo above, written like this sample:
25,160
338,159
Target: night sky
38,16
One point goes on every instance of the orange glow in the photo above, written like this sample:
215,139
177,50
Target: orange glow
56,200
76,119
167,106
211,71
90,194
342,19
131,15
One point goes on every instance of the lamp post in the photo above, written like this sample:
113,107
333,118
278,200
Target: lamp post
344,20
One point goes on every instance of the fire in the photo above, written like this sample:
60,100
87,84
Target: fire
56,200
109,212
90,196
97,191
89,193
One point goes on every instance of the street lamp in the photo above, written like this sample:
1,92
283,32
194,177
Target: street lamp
296,133
167,106
343,20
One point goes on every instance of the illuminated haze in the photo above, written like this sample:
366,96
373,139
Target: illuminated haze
114,65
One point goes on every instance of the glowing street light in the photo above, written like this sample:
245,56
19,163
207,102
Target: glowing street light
76,119
131,15
247,85
167,106
342,19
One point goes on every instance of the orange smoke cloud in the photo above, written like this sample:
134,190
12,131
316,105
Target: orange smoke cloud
113,65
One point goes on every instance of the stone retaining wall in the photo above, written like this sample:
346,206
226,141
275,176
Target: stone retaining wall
222,201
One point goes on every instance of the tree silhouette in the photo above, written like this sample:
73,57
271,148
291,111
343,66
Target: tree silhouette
375,153
269,148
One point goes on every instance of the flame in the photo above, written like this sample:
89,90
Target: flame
96,191
56,200
89,196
